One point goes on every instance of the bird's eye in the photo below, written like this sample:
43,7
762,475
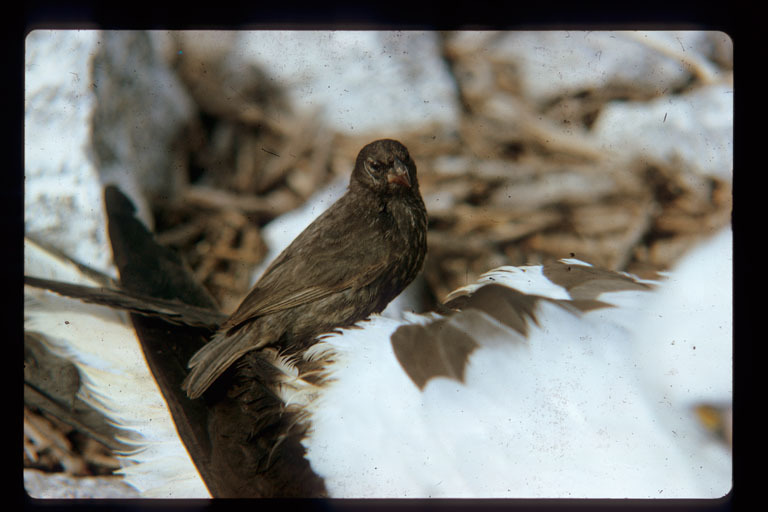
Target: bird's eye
373,167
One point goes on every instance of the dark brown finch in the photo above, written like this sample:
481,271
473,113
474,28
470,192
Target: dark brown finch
349,263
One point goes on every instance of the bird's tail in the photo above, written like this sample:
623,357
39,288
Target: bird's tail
215,357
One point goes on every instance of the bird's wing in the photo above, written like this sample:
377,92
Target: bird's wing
541,367
333,254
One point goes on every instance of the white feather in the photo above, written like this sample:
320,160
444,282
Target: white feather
530,280
116,379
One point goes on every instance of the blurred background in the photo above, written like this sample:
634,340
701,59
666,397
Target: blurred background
611,147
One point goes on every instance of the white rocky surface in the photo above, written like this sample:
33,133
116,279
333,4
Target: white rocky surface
62,191
56,486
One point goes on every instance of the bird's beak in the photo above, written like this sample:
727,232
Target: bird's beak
399,174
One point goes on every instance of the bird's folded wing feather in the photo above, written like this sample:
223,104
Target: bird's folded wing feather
312,267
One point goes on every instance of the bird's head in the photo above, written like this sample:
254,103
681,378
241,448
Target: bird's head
385,166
